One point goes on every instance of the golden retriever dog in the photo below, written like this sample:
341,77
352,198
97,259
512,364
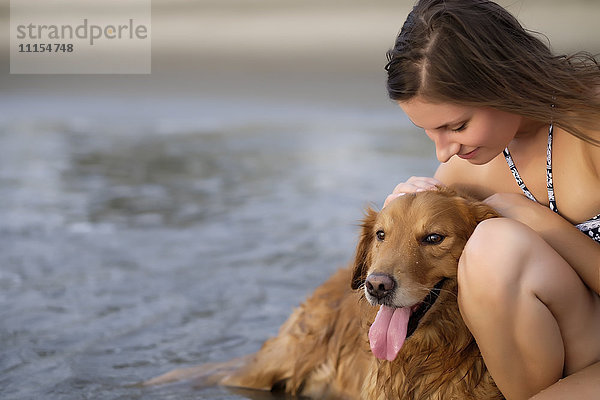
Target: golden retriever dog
386,327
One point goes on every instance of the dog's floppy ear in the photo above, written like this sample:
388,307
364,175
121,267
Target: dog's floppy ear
472,212
476,210
362,258
482,211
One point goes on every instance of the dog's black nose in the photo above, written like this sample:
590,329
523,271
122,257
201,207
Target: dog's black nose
379,285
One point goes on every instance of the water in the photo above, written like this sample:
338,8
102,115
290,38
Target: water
134,242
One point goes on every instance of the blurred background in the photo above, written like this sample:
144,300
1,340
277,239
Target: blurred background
150,222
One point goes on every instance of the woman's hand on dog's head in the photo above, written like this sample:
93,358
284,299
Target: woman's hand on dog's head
412,185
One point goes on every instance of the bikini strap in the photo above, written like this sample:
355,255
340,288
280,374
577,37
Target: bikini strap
513,169
549,184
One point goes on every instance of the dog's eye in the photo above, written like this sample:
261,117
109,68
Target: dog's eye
433,238
380,235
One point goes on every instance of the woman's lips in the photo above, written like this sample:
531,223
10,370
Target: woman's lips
469,155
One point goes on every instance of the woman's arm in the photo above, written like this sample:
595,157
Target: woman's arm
455,173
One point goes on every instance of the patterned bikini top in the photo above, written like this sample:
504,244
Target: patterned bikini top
590,227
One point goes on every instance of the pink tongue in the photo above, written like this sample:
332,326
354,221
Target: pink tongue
388,332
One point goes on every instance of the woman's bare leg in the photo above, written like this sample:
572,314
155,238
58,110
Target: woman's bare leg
532,316
584,384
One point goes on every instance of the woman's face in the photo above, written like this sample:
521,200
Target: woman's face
476,134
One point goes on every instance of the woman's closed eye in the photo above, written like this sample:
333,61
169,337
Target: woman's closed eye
461,128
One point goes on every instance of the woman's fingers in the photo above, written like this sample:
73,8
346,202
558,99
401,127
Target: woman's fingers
390,198
417,184
412,185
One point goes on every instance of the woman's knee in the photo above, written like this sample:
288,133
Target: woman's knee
493,261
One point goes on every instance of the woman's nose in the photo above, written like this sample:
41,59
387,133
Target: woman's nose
445,148
445,153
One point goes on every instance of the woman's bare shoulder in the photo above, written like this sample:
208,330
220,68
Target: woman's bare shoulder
481,181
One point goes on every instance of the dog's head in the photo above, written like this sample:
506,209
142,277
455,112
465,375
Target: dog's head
407,253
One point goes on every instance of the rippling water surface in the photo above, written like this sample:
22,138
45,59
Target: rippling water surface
132,244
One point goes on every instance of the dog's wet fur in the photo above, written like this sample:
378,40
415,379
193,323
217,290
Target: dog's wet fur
322,350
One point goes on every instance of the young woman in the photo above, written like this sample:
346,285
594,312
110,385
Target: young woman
520,127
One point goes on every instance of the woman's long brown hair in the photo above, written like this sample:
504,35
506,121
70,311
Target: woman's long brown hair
475,53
